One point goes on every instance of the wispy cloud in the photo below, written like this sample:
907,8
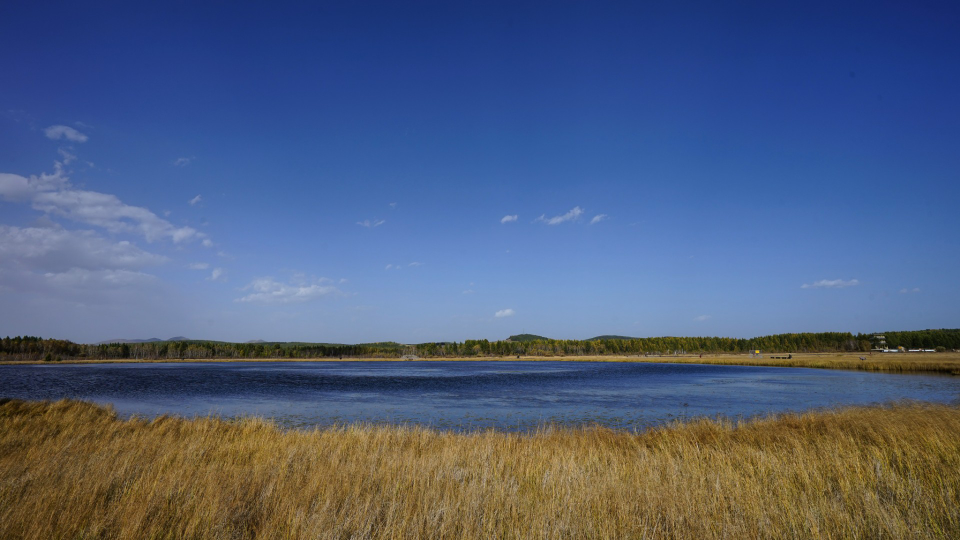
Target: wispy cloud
400,266
831,284
598,218
64,132
183,161
270,291
701,318
216,275
556,220
508,219
198,266
53,249
53,194
469,291
195,200
371,224
913,290
73,266
504,313
66,155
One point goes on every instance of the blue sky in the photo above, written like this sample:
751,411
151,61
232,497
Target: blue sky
342,172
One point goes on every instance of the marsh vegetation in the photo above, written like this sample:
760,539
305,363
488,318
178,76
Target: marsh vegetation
72,469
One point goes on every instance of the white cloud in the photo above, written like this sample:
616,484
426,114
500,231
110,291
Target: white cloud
78,267
469,291
15,188
415,264
389,266
107,211
206,242
370,224
58,250
830,284
195,200
702,318
269,291
216,274
508,219
198,266
598,218
76,278
53,194
556,220
393,205
64,132
183,161
504,313
78,288
913,290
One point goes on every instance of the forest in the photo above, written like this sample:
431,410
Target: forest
30,348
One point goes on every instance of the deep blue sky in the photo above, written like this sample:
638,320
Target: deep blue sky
713,170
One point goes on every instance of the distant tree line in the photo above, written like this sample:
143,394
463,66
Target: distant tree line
35,348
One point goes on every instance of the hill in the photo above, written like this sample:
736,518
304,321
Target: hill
527,337
148,340
610,337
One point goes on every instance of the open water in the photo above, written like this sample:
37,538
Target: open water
466,395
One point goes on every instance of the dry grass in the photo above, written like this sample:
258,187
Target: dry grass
73,470
946,363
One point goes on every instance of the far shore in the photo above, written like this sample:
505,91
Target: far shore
944,363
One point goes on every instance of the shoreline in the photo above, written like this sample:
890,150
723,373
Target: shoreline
947,363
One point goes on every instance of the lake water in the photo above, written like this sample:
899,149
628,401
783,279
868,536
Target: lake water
466,395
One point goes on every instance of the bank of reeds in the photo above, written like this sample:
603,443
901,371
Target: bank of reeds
942,363
74,470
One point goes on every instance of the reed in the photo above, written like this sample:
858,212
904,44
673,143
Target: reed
75,470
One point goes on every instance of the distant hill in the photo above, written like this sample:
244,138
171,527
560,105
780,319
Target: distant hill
527,337
149,340
256,341
607,337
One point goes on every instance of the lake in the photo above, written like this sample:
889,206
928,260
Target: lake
465,395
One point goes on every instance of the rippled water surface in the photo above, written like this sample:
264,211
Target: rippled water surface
465,395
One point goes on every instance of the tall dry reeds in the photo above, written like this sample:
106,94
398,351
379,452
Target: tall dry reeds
74,470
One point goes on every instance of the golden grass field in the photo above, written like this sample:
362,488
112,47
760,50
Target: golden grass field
74,470
945,363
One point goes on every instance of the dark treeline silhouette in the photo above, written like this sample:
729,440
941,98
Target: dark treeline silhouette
35,348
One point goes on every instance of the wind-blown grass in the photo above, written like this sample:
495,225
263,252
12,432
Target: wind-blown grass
74,470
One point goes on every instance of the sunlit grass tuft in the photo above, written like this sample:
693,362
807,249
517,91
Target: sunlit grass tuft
74,470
